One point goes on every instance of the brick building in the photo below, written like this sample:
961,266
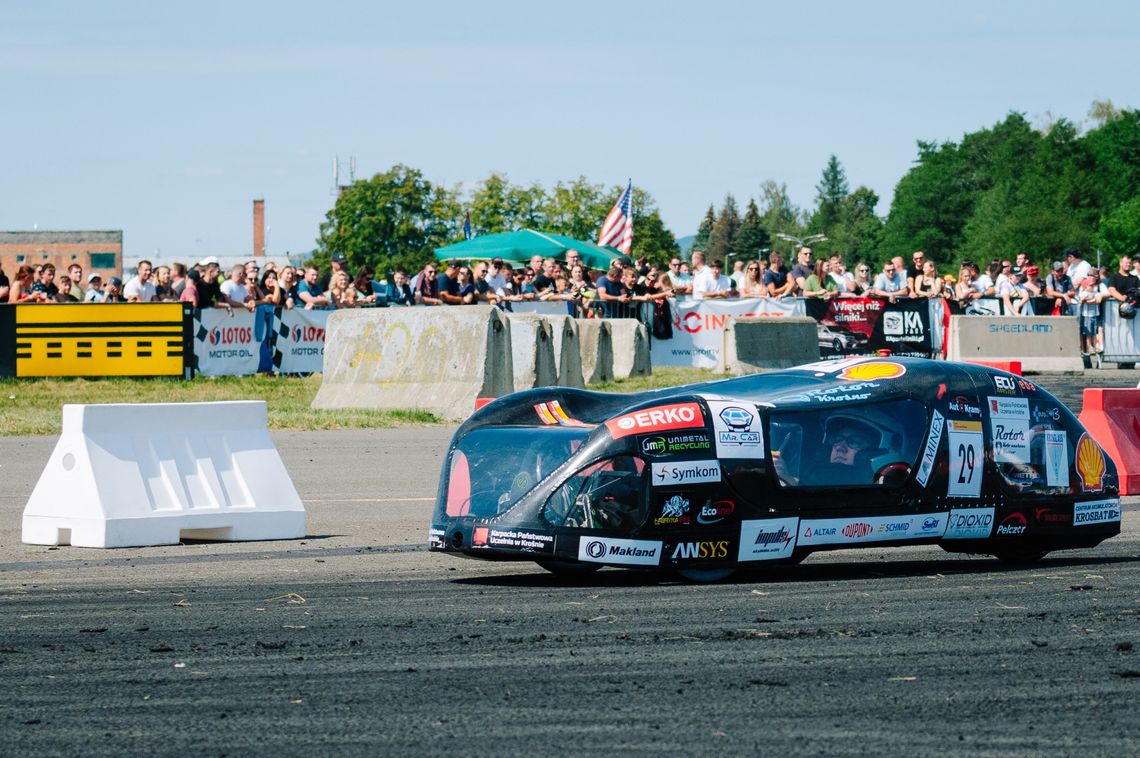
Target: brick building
101,252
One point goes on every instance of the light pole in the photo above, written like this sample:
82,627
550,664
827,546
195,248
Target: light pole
810,239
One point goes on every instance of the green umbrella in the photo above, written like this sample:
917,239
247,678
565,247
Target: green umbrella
520,246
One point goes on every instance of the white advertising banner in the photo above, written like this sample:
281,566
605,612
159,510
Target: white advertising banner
1121,335
698,327
300,347
227,344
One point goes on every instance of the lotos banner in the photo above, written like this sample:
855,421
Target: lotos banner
299,341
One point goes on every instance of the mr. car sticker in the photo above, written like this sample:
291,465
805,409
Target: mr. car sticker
736,429
967,454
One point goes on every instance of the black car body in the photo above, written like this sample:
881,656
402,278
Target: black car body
709,477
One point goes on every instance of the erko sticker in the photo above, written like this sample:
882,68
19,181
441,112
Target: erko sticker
610,550
933,440
967,456
1090,464
661,419
1096,512
767,539
736,429
678,473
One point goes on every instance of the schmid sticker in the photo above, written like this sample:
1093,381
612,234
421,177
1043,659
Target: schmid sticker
736,429
1096,512
662,419
933,440
1056,460
609,550
969,524
677,473
967,456
1090,464
767,539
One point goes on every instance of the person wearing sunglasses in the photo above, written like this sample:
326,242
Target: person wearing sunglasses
862,284
752,284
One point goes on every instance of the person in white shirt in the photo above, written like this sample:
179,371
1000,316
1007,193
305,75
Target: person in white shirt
681,284
891,283
140,289
704,281
723,286
1079,268
737,275
235,290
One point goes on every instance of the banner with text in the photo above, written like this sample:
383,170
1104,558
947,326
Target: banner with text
698,327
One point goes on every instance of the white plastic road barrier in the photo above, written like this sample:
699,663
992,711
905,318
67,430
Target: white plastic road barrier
434,359
532,351
595,345
760,343
153,473
1041,343
631,348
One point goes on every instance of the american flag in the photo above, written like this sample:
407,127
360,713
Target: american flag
617,229
467,226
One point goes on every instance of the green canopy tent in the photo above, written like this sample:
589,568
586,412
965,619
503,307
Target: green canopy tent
520,246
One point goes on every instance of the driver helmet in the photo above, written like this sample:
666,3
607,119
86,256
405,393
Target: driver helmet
881,435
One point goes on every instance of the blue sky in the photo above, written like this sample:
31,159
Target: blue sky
166,123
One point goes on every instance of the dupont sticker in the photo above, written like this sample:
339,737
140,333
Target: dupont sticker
1056,460
1096,512
967,456
767,539
610,550
736,429
969,524
662,419
870,529
680,473
933,440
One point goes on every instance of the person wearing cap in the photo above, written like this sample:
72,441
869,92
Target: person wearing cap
94,293
448,282
1012,292
114,291
1032,282
1059,286
337,263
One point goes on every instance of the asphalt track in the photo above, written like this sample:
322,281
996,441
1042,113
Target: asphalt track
356,641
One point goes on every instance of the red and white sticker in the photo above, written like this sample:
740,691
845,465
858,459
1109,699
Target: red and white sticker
661,419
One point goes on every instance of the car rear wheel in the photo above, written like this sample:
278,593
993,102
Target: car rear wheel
569,568
706,576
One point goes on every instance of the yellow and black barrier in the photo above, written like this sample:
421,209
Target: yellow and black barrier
95,340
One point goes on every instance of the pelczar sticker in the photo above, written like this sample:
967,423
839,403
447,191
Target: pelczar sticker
1096,512
1056,460
933,440
661,419
1009,428
966,458
736,429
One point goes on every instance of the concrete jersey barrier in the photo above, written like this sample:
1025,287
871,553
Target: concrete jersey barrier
631,348
154,473
532,351
595,341
434,359
760,343
567,355
1041,343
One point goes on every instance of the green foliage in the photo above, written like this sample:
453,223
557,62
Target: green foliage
1119,233
701,240
577,209
858,232
752,239
777,212
722,238
831,192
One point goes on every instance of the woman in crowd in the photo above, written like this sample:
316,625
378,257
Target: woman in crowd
271,289
965,291
342,294
365,295
752,284
814,286
190,288
928,284
20,289
466,285
862,283
162,288
287,282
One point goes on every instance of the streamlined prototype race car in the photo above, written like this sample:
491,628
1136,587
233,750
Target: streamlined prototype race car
707,478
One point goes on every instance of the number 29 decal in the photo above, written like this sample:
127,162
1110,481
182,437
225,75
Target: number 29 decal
966,459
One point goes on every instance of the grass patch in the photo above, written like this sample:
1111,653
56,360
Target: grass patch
33,406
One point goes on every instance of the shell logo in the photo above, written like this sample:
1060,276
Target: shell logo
1090,464
863,372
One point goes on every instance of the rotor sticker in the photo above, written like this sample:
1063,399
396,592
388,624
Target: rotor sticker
1009,428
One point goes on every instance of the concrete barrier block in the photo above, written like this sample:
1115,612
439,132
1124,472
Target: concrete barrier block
631,348
1041,343
532,351
761,343
434,359
154,473
595,343
567,353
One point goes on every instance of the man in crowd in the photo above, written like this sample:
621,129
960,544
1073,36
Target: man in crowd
114,291
496,278
1059,286
737,275
678,282
337,263
178,279
715,285
1123,284
397,291
209,288
891,283
544,278
803,269
75,273
610,291
44,289
235,290
140,289
449,285
1021,262
1079,268
484,292
427,287
311,292
777,280
918,258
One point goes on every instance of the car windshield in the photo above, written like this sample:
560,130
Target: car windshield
492,468
863,445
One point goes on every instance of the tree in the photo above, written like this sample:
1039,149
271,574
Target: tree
722,238
576,209
859,231
752,239
390,220
701,240
492,207
777,212
831,192
1119,233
